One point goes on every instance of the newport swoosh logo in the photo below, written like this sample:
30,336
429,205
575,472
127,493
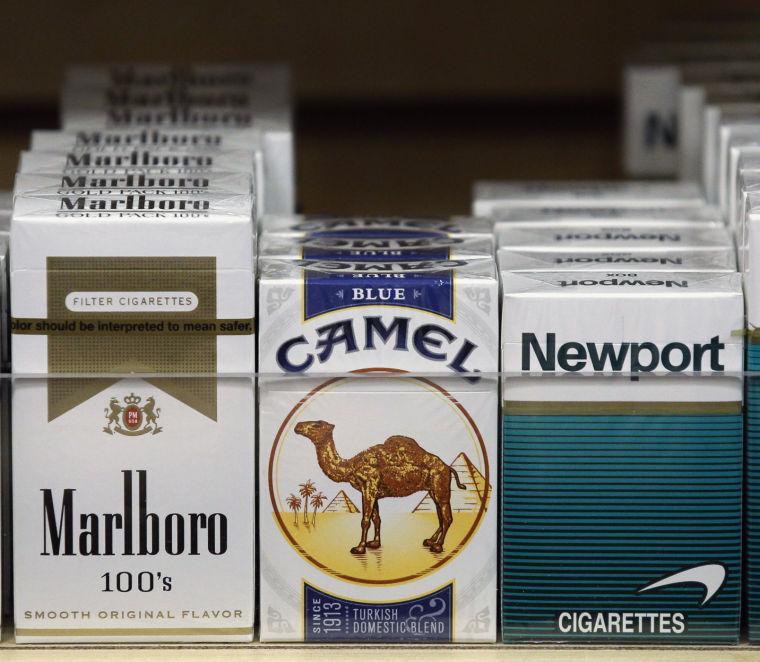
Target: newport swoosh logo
710,575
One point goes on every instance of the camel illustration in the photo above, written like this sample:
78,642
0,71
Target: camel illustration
396,468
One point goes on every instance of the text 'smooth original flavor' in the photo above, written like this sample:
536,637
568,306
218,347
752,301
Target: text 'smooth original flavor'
622,456
134,496
378,464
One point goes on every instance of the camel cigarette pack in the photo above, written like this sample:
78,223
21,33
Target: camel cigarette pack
368,226
615,236
493,196
352,248
622,456
133,428
515,259
378,450
194,97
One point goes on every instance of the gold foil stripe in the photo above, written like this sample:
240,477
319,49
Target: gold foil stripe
133,632
527,408
174,326
137,341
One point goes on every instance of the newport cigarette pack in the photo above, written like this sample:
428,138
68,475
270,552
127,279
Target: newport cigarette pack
373,247
691,105
378,450
164,96
147,160
529,217
750,263
133,418
622,456
602,237
516,259
490,197
366,226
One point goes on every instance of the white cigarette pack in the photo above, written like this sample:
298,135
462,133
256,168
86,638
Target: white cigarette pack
691,105
749,259
623,405
6,207
390,421
544,217
739,114
124,184
611,236
271,79
274,124
651,81
209,96
490,197
356,248
367,226
132,485
510,259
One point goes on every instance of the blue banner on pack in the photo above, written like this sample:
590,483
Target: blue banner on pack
430,291
428,618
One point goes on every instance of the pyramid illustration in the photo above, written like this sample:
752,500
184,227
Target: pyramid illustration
341,504
468,500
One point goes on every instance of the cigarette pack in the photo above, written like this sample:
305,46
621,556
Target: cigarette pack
367,226
749,260
133,428
691,105
546,217
651,81
320,246
490,197
204,96
622,456
613,236
515,259
384,417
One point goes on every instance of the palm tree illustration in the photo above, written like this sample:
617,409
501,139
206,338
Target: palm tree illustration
294,503
306,490
317,501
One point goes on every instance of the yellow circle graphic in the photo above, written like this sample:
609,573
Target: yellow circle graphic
385,507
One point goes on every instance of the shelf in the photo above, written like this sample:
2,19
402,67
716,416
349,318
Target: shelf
282,653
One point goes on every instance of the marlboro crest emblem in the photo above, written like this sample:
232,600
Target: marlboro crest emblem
130,418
